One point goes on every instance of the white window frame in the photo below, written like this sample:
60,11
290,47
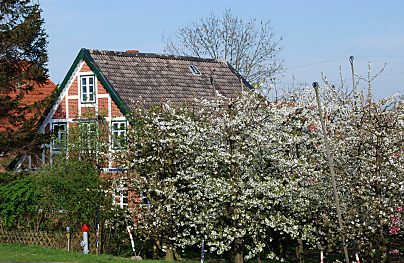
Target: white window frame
88,133
59,137
118,133
195,70
144,201
85,96
121,195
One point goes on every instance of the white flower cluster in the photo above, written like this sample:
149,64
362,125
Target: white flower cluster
245,174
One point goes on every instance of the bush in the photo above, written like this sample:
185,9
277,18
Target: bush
67,193
72,194
19,201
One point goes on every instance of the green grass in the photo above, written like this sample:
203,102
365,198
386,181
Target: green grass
31,253
19,253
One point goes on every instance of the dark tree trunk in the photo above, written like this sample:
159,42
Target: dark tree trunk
238,251
299,251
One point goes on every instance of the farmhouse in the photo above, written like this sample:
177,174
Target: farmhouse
111,84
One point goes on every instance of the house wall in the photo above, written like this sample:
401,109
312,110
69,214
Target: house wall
70,109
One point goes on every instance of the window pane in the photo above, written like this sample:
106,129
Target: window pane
87,88
59,135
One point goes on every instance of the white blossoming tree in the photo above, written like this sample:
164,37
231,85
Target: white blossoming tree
249,177
160,149
232,173
368,143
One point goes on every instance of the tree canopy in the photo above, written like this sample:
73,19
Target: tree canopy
23,58
251,47
250,177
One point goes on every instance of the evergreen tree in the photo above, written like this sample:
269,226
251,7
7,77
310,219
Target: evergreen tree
23,59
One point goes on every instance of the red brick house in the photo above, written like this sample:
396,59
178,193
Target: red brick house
34,104
111,83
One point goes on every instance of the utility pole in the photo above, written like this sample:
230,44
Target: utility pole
331,166
351,60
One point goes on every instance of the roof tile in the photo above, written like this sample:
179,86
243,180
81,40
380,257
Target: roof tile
155,78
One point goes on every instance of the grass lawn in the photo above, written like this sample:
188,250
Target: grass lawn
30,253
27,253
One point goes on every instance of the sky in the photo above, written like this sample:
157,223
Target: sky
317,36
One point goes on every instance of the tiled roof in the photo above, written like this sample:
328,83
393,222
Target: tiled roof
156,78
38,94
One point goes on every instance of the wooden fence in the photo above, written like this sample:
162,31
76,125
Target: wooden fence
52,239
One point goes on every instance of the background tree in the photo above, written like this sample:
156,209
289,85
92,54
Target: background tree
23,58
249,46
367,137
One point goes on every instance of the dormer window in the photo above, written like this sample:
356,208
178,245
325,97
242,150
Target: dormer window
194,70
87,88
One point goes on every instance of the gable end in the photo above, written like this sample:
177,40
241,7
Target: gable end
85,57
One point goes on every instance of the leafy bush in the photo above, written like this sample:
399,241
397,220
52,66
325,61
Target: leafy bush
72,194
67,193
19,201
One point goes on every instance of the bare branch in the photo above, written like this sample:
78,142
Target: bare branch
250,47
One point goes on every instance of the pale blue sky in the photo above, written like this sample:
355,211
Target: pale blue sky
318,36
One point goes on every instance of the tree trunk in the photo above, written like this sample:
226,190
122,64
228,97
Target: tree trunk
238,251
156,247
383,248
282,250
238,257
299,251
176,255
170,254
382,240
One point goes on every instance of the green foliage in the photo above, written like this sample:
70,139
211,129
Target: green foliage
72,194
22,44
88,140
68,193
23,59
115,236
19,200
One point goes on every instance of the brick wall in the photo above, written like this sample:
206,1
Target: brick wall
73,108
104,105
61,110
85,68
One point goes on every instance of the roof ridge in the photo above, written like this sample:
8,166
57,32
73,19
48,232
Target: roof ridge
152,55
